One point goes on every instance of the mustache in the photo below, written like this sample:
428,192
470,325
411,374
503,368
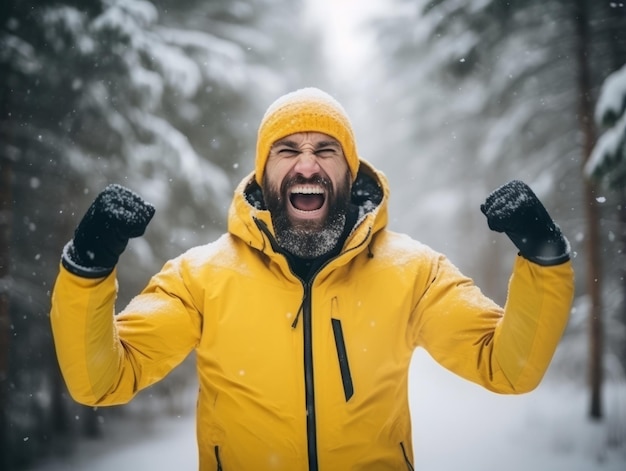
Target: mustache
300,180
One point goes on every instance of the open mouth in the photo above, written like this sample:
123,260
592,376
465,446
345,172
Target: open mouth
307,198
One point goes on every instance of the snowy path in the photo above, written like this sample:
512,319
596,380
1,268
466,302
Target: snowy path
456,426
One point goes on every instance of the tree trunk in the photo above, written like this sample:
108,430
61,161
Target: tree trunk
592,210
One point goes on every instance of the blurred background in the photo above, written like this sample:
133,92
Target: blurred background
449,98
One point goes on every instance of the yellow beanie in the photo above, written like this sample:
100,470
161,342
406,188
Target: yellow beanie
305,110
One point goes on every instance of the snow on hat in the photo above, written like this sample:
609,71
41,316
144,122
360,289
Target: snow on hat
305,110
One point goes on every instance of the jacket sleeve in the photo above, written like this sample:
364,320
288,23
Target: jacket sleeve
105,358
505,350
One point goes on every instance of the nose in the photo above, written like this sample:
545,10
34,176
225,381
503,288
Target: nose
307,164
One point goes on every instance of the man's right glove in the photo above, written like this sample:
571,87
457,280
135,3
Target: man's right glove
116,215
515,210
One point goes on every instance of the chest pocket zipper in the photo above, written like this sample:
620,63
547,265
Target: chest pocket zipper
342,356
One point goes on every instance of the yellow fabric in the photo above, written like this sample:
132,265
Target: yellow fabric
235,301
305,110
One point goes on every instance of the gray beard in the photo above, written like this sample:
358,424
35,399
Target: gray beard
311,244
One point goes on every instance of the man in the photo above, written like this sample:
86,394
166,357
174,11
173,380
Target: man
305,315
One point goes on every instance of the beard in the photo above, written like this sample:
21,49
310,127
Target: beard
308,239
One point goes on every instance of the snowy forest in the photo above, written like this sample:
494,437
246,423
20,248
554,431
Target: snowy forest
449,98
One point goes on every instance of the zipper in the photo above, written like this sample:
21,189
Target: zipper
309,382
342,356
406,458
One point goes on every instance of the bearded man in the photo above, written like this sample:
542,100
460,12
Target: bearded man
304,316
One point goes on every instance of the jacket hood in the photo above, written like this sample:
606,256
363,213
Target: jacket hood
250,221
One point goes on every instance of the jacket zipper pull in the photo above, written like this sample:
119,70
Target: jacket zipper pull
295,321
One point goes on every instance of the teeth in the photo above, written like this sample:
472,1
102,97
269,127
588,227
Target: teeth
308,190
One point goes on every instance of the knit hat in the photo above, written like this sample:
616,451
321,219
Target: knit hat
305,110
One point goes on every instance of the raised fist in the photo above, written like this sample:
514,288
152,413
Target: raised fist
515,210
116,215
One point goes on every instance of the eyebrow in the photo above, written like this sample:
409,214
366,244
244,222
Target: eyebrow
294,145
332,143
285,142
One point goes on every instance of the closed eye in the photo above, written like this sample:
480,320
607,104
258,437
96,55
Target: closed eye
328,149
286,151
327,152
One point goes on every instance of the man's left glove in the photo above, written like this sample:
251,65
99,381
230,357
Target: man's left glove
116,215
515,210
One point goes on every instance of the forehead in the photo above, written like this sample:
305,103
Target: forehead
311,137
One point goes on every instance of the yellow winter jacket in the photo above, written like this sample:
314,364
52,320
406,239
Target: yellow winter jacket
306,376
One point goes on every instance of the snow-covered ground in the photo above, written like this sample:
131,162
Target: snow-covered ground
457,426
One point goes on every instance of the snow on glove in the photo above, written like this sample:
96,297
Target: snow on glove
116,215
515,210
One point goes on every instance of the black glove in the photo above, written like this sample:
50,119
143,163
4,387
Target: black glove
116,215
515,210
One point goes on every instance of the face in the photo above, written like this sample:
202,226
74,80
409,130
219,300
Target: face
306,187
